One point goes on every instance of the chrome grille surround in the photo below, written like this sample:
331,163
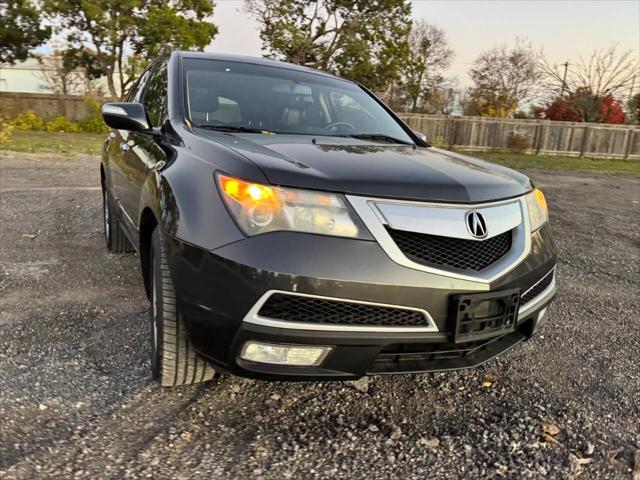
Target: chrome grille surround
253,316
446,219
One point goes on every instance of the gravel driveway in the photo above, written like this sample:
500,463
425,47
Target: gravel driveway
76,400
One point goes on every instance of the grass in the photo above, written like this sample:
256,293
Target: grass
560,163
55,142
91,143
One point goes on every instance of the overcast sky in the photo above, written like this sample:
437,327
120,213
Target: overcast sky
564,29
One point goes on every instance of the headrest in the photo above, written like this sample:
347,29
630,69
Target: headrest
203,98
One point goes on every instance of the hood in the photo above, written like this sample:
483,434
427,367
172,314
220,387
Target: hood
375,169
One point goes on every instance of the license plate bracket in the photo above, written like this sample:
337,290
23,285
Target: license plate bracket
478,316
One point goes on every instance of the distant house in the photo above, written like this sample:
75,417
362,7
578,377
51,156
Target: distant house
22,77
36,75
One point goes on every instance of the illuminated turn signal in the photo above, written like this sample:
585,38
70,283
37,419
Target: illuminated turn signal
247,192
542,202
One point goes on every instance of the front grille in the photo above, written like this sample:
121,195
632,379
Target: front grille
317,310
456,253
537,289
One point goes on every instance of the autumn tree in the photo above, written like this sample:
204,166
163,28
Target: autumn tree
594,88
102,32
502,78
583,106
21,30
422,75
365,40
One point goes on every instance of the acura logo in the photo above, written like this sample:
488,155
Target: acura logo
476,224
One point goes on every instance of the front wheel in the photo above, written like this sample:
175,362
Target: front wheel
174,361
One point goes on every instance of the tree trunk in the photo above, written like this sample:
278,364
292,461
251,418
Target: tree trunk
111,85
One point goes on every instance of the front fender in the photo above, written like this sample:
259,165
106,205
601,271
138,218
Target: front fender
185,201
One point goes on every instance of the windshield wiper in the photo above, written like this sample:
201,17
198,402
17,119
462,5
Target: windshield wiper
378,136
234,128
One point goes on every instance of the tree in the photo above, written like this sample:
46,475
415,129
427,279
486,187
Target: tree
560,110
365,40
502,78
429,55
584,106
633,109
441,97
606,73
58,75
101,32
20,30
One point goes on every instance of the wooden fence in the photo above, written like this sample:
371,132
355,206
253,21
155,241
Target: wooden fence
532,136
48,106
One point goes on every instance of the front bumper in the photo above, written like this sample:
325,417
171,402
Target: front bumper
217,290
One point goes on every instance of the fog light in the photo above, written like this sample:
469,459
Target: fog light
296,355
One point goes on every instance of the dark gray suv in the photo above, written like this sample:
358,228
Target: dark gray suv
290,226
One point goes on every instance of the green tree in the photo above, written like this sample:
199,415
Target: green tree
365,40
101,33
20,30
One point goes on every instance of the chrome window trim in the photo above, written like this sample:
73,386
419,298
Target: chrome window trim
253,317
374,220
544,296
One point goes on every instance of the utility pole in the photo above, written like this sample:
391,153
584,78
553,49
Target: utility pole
564,79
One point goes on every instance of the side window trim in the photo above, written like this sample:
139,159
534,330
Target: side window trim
158,68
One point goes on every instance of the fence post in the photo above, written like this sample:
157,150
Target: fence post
452,133
585,141
494,140
629,142
542,136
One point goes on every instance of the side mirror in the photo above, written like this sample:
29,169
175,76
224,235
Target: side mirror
126,116
420,135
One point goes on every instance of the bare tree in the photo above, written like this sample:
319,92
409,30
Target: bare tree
429,56
503,77
442,98
605,73
58,76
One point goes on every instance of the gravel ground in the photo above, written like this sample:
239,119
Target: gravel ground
76,400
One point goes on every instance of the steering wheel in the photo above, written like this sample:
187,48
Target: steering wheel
334,127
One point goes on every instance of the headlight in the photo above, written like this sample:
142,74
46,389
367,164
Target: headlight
259,208
538,212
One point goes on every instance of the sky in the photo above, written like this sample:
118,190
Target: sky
564,30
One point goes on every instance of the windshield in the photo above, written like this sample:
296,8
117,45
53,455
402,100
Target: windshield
235,96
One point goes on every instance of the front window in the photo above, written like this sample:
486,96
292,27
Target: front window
278,100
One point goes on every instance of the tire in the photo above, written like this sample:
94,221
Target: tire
174,361
116,240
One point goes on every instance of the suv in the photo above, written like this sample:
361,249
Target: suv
290,226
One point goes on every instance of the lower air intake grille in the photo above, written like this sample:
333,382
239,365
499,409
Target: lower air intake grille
537,289
456,253
317,310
